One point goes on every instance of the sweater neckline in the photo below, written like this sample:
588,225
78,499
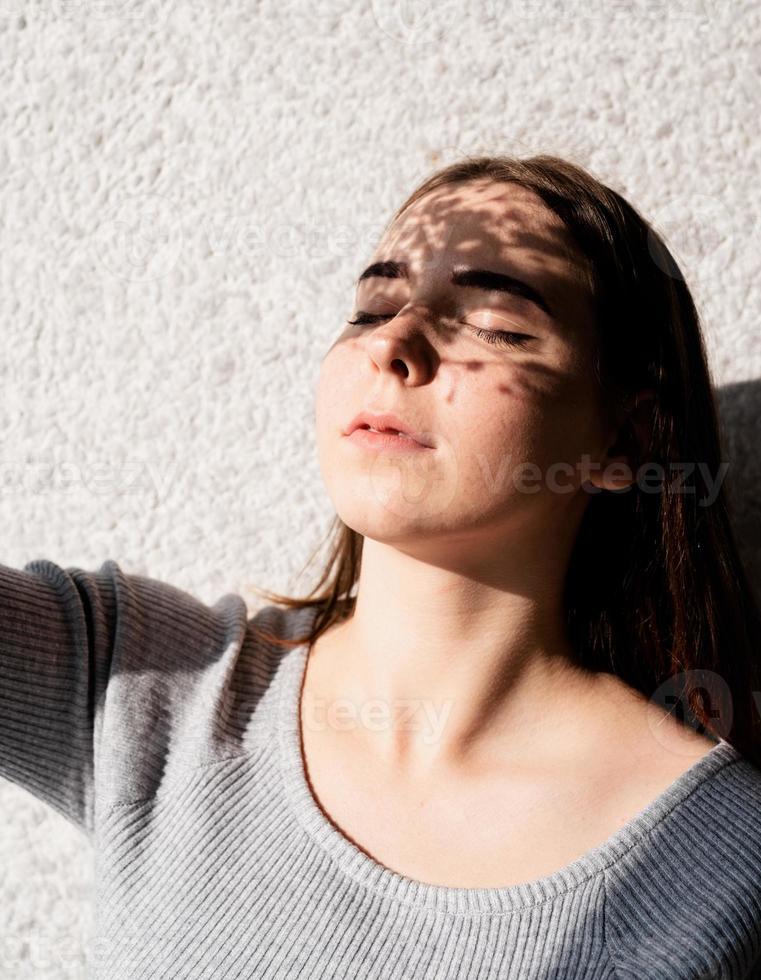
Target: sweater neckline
376,877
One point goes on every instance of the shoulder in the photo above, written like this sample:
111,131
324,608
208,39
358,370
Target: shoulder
689,892
190,683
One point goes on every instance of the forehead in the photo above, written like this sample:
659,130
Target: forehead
484,223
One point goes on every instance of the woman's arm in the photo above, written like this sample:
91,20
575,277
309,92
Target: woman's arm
112,684
56,641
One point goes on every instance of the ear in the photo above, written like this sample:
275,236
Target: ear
618,469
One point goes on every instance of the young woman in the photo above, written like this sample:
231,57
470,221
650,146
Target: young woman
512,732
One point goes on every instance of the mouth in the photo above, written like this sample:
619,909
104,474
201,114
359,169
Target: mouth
388,439
393,432
391,427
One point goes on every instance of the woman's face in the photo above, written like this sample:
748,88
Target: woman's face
509,417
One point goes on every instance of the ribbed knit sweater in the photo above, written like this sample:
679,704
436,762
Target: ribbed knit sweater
170,735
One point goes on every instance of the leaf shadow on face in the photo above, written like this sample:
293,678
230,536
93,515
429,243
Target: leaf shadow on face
470,226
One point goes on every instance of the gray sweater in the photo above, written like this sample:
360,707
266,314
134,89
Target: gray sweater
164,730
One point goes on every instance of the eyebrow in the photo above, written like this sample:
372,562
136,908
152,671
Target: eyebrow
483,279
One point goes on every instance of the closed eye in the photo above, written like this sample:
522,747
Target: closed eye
499,338
363,318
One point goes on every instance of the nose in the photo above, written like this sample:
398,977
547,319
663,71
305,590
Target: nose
400,345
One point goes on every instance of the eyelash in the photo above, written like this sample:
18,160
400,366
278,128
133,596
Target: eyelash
499,338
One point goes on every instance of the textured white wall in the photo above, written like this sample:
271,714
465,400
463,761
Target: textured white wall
188,191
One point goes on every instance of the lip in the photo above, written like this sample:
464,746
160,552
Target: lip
386,441
386,421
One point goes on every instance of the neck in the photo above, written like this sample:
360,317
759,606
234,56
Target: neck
446,666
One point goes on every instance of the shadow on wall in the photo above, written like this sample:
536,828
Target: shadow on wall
739,407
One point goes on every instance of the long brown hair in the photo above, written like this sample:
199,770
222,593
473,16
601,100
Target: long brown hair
656,591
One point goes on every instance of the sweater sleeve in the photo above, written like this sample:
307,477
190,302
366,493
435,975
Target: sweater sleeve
56,637
105,678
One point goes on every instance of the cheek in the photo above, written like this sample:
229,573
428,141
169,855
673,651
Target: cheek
335,404
540,432
567,429
329,395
